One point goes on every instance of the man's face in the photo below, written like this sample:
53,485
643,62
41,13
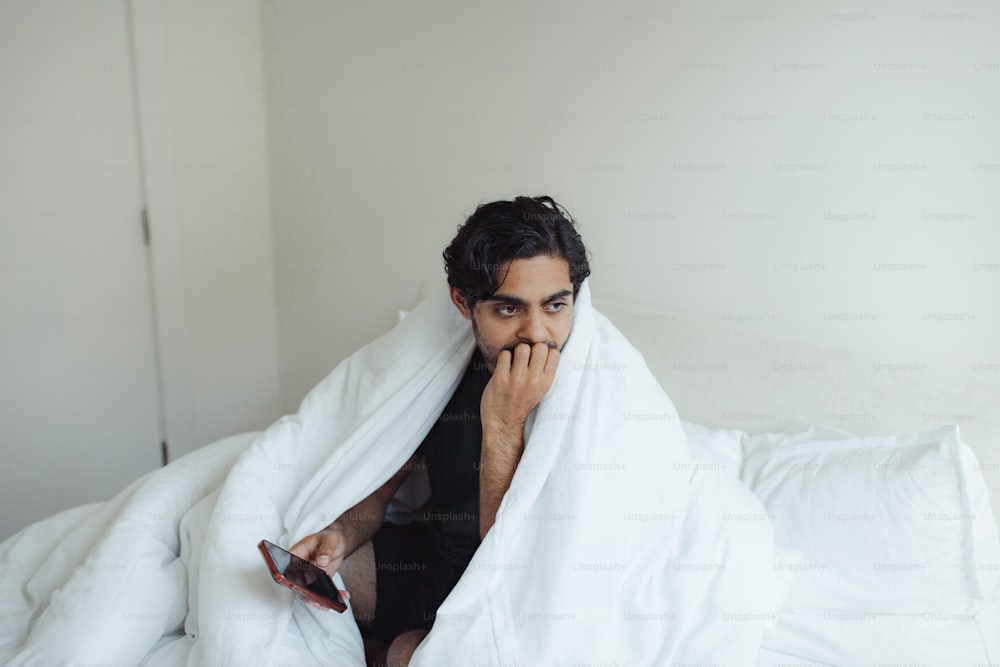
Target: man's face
533,304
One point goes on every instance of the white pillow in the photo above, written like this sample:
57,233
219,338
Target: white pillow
886,525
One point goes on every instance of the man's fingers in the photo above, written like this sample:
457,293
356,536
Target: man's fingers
329,551
325,552
523,374
504,360
551,362
305,547
522,354
539,356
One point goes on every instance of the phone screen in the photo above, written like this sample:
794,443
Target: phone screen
302,572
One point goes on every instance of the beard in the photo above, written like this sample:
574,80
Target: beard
491,353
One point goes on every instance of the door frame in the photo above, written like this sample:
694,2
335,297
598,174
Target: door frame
151,91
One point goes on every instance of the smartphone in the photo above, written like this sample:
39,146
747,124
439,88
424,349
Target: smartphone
303,577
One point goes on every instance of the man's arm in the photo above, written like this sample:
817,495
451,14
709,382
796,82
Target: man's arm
502,448
519,381
330,546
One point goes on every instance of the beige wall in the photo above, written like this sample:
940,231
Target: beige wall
224,257
818,170
827,172
94,381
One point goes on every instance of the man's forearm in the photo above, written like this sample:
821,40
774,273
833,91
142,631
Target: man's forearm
361,522
502,448
519,381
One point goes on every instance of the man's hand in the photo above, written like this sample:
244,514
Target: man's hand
327,549
519,381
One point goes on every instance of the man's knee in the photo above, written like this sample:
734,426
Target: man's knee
402,648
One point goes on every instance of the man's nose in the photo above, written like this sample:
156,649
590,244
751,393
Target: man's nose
533,328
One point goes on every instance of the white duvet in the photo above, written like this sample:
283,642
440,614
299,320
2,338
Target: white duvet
611,546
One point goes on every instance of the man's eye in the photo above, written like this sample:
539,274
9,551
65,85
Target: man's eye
507,311
557,306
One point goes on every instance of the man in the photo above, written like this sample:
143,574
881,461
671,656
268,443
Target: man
514,270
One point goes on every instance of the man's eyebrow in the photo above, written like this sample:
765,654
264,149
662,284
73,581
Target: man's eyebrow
517,301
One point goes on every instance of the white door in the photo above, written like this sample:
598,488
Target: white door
79,407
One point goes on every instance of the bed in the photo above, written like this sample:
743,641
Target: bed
885,545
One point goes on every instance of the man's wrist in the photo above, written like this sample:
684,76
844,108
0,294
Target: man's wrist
336,527
504,431
501,453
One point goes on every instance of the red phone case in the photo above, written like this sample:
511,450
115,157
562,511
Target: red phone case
337,605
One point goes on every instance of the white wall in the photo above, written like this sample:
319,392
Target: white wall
79,408
82,352
823,170
224,257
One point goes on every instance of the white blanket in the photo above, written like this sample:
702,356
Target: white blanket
610,547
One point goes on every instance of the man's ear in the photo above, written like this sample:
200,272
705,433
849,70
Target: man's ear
460,303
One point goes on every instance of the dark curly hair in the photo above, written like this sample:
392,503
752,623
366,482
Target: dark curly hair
501,231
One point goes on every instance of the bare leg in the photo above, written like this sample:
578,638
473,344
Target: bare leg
358,572
402,648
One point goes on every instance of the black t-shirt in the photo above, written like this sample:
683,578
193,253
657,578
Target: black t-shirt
452,449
